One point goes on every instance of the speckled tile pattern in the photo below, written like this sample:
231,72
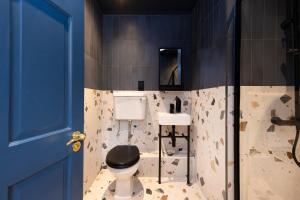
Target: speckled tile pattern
267,168
174,167
208,131
208,110
144,133
145,188
104,133
92,149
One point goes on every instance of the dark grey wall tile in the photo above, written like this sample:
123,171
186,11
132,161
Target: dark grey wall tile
130,45
147,74
246,17
115,77
126,78
257,18
131,48
88,12
282,15
270,19
108,31
108,58
246,62
257,61
267,63
212,46
127,51
93,44
270,62
91,72
106,77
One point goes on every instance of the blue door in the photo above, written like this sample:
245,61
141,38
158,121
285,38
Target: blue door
41,99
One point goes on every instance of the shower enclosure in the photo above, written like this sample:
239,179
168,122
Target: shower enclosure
269,100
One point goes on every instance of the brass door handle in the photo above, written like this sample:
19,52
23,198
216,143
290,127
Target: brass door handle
76,137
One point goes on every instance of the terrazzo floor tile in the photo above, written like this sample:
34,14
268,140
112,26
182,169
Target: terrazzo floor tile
145,188
259,189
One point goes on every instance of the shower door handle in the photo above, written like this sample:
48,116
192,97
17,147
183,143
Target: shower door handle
280,122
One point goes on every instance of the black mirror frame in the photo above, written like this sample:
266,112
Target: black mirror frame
170,87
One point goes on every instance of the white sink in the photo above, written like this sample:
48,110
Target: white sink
180,119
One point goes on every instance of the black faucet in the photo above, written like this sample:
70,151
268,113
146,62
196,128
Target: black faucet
178,110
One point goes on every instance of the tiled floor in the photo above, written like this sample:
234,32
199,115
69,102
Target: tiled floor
259,189
145,188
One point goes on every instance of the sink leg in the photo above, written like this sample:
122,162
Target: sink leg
173,136
159,155
188,157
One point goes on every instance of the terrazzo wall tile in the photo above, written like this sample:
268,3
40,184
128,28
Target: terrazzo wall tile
144,133
208,110
92,149
208,130
104,133
267,168
174,167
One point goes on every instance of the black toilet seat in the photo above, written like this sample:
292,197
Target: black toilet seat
123,156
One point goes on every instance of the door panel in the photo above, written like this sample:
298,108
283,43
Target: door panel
41,98
49,184
40,33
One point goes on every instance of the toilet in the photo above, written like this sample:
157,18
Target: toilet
123,160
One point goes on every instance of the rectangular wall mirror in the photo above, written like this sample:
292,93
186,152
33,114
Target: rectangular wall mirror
170,69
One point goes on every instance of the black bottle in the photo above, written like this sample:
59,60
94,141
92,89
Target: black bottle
172,108
178,105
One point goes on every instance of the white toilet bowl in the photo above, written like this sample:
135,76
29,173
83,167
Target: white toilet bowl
124,182
123,162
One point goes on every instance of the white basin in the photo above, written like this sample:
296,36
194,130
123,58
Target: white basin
178,119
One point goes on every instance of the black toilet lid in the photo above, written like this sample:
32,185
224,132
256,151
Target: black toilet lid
123,156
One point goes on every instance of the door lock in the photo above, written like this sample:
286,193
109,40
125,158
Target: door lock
76,146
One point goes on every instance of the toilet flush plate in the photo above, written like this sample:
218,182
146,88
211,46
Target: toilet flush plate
178,119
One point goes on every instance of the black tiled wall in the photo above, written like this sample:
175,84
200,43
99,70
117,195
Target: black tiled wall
93,44
131,48
213,39
263,46
121,50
